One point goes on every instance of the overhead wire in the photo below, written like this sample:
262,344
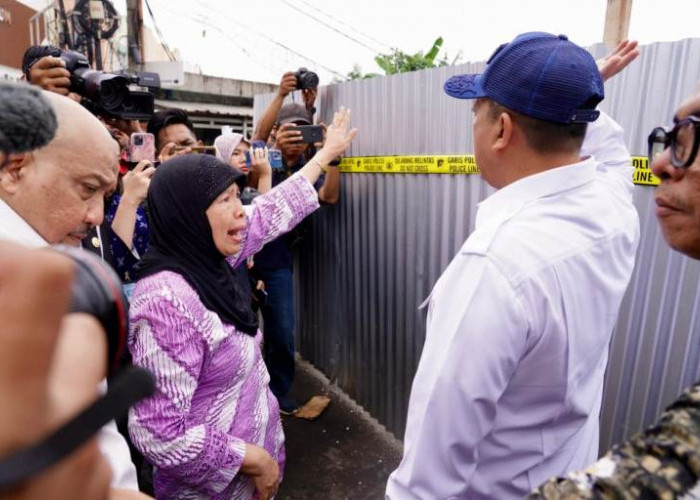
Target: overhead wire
266,36
203,20
385,45
161,38
332,28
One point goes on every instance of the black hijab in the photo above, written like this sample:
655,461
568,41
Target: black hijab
181,191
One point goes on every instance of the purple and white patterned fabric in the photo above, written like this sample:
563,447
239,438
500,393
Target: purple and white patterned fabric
212,385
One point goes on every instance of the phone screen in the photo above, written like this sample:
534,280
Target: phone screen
142,146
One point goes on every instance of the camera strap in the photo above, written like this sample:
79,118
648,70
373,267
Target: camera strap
131,386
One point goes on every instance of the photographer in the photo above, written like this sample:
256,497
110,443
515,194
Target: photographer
273,264
125,212
118,98
173,132
54,194
126,216
289,83
45,66
47,71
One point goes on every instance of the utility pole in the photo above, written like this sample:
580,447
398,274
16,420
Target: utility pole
617,21
134,33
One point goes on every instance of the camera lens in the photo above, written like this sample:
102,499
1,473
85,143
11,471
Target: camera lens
310,80
138,140
113,93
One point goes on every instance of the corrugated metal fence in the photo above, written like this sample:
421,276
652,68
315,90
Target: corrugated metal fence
375,255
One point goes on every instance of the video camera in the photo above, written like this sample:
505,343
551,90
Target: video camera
117,95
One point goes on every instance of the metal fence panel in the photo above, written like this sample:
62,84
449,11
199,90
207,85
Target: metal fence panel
369,261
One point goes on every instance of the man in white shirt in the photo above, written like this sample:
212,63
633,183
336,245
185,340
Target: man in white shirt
509,385
663,461
54,194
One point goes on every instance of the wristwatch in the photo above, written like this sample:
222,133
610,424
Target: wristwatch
334,164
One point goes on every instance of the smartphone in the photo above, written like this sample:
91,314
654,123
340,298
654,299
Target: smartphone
274,156
142,146
260,297
254,145
310,133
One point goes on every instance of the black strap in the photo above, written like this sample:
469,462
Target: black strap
131,386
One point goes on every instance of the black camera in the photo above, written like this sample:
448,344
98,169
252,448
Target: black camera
108,94
306,79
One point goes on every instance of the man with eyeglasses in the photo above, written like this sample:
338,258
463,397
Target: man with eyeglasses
664,460
673,154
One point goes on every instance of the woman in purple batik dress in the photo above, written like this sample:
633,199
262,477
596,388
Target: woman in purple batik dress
212,430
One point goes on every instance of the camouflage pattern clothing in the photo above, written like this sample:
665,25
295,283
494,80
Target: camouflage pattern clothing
662,462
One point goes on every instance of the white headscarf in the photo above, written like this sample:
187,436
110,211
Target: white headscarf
225,144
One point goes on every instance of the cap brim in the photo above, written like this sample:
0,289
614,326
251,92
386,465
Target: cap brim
464,87
295,119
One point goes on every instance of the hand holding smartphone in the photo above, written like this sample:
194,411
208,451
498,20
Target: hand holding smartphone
274,156
310,133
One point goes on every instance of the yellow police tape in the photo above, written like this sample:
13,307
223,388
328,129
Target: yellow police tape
453,164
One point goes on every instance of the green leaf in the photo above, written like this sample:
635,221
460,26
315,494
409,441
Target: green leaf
397,61
434,50
387,62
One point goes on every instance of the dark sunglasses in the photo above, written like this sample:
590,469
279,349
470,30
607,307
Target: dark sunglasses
683,139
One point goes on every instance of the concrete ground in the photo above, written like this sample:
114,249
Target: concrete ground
343,454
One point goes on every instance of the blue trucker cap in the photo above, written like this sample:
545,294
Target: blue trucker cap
540,75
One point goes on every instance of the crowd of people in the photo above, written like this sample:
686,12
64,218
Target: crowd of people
141,283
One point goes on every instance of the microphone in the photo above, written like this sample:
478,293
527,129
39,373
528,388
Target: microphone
27,119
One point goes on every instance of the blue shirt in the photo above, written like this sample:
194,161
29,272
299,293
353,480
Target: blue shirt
124,259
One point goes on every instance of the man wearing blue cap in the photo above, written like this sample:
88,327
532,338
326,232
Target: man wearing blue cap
509,386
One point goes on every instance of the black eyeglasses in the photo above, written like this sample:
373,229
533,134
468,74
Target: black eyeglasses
683,139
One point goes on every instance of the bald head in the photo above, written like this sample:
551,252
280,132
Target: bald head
59,190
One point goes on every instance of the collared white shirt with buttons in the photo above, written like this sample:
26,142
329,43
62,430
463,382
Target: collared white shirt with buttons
112,444
509,386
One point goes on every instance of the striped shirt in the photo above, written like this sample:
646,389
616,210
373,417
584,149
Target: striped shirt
212,385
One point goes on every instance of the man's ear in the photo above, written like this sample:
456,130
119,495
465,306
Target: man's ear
12,171
505,132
